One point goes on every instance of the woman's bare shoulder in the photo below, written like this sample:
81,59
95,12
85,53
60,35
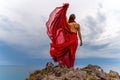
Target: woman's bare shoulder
77,25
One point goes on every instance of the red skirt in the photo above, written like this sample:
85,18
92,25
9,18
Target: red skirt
65,53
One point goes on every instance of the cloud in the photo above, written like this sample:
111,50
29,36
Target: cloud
100,38
22,43
93,27
22,27
17,33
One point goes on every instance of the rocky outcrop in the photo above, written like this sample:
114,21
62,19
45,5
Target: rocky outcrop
90,72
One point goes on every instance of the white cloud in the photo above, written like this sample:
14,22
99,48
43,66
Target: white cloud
110,5
98,18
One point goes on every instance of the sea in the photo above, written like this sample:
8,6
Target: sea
17,72
21,72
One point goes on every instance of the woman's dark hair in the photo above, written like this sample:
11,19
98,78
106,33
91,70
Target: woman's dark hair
71,17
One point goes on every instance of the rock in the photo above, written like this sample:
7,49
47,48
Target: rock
49,64
94,70
114,75
59,72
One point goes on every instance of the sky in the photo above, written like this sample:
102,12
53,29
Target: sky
23,38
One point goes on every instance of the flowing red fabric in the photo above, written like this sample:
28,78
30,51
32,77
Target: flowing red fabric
64,42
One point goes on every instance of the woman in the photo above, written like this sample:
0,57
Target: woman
74,27
63,36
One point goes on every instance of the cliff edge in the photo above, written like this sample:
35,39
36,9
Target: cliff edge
90,72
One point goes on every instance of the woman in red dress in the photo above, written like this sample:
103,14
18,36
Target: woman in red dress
63,35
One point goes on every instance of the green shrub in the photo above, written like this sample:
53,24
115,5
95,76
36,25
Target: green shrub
92,78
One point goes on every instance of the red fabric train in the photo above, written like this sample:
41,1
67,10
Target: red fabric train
64,42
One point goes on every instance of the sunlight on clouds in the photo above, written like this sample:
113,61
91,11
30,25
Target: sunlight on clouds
112,27
110,5
7,8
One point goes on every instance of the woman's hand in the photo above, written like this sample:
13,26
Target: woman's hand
66,5
81,43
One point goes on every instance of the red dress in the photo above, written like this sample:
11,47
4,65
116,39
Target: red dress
64,42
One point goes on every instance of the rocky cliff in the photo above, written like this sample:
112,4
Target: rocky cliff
90,72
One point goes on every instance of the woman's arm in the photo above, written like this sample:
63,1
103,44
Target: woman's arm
80,35
67,21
